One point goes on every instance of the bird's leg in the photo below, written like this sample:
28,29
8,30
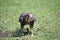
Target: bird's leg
22,26
31,28
31,31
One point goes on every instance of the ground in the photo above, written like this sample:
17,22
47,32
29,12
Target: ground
47,12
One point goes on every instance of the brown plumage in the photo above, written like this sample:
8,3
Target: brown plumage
27,18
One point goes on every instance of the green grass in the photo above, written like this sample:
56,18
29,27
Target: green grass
47,12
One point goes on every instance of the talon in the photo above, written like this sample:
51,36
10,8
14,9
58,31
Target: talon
32,34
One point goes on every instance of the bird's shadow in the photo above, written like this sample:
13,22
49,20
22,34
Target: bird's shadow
20,33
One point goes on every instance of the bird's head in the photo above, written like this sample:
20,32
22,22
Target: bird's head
28,18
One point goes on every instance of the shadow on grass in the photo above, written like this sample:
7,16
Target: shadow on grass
5,33
17,33
20,33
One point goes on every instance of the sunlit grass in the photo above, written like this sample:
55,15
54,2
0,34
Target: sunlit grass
47,12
